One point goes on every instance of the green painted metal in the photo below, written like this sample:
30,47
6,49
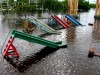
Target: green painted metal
59,42
34,39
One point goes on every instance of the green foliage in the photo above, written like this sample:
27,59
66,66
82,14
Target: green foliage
64,6
23,1
11,1
48,5
51,5
83,5
92,5
25,8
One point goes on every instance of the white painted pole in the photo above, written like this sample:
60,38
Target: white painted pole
36,8
29,2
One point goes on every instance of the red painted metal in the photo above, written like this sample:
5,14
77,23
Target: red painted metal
61,21
10,49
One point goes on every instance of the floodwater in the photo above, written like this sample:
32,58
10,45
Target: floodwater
72,60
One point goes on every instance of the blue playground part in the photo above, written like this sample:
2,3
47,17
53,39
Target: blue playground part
73,20
51,21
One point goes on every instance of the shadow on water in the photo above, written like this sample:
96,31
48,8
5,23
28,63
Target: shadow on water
21,66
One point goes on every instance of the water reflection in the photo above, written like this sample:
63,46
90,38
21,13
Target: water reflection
96,30
71,34
9,21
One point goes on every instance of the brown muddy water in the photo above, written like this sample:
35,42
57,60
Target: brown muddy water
41,60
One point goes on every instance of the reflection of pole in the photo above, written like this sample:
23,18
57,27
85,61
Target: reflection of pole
96,27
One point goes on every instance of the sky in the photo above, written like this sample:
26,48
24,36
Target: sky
91,1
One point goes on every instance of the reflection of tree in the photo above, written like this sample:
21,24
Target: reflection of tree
96,30
71,34
12,21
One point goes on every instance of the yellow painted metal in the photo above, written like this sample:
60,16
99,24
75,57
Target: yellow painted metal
97,13
73,7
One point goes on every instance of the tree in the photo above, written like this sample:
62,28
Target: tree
83,5
23,1
51,5
64,6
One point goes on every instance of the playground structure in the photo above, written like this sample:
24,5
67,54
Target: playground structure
43,26
28,27
10,49
73,7
60,21
71,18
97,13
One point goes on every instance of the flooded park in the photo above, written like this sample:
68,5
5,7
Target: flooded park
41,60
